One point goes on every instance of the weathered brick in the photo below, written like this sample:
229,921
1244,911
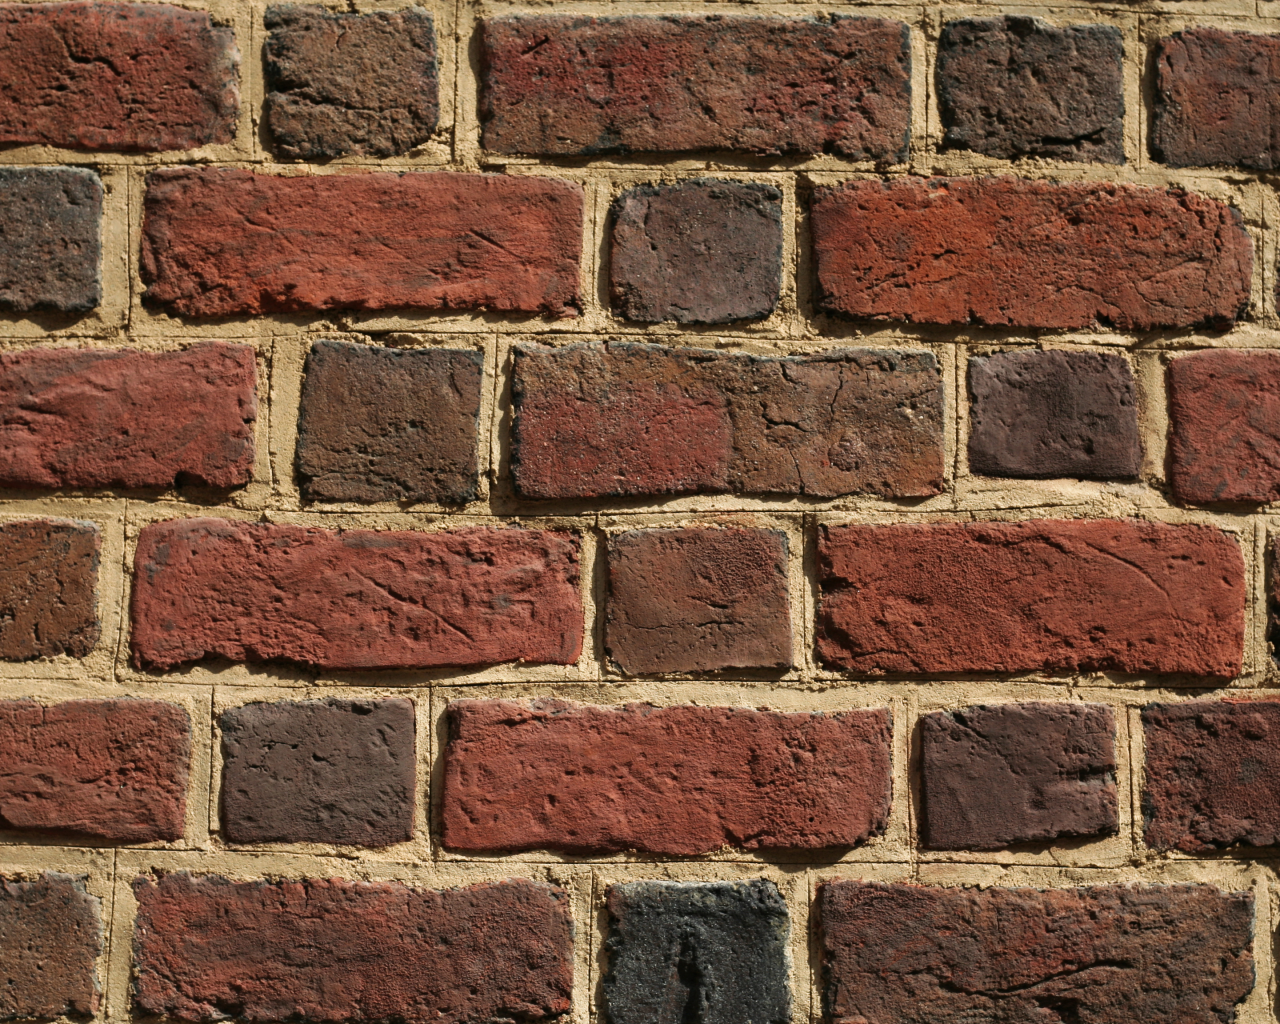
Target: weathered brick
1053,414
698,600
353,599
714,952
434,241
331,771
1010,252
329,949
577,85
1042,595
48,588
997,775
104,418
596,421
1107,954
1224,412
1015,86
680,780
701,252
389,424
116,76
50,238
330,89
110,769
50,938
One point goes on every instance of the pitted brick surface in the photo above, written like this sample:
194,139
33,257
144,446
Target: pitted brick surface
48,588
50,938
50,238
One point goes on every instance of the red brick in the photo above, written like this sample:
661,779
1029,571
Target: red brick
573,85
354,599
1043,595
111,769
95,418
1005,251
49,588
116,76
680,780
220,242
207,948
50,938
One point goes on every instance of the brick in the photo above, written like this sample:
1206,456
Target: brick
49,588
50,938
1224,412
595,421
701,252
120,418
334,950
116,76
435,241
114,770
331,771
681,780
389,424
1107,954
1016,86
1009,252
1035,596
329,90
353,599
698,600
50,237
574,85
998,775
1051,413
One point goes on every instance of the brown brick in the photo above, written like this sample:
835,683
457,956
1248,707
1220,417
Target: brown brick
698,600
998,775
51,243
1043,595
353,599
679,780
598,421
575,85
1107,954
333,950
50,939
110,769
105,418
1009,252
116,76
48,588
435,241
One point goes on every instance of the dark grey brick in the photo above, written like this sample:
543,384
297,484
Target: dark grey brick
50,239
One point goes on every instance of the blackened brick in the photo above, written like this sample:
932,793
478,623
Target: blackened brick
50,238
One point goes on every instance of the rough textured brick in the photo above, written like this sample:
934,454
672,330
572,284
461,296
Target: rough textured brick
50,238
1053,414
331,91
111,769
116,76
1015,86
354,599
1018,773
712,952
1224,411
698,600
680,780
106,418
1215,99
435,241
388,424
625,419
332,771
567,84
1005,251
48,588
329,949
701,252
1107,954
1042,595
50,937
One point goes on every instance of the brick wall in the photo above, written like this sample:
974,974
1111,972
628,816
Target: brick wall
639,512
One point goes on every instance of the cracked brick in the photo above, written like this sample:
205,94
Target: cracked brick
50,238
50,940
49,588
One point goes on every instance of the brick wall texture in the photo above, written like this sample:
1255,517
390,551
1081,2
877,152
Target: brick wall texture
640,512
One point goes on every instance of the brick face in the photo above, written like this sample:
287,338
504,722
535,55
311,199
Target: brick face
49,588
50,938
51,246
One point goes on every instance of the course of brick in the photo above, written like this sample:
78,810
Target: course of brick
48,588
51,246
50,936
